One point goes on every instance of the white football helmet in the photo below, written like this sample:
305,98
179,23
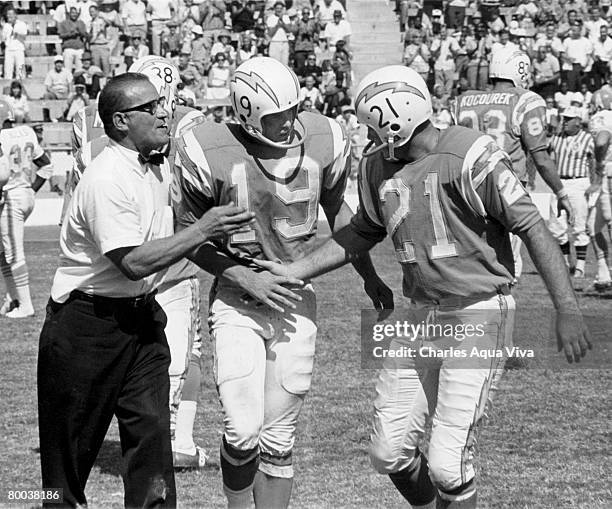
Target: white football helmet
164,76
511,64
263,86
393,101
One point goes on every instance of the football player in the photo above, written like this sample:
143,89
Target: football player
281,165
179,294
600,211
21,148
448,198
516,119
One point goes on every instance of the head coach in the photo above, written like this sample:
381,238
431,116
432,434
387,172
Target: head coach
102,348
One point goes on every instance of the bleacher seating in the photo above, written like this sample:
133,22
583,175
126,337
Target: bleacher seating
56,136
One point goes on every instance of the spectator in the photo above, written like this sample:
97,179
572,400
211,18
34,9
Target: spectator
576,57
58,82
416,54
334,89
213,19
161,11
496,24
550,39
199,52
311,91
74,35
443,50
593,25
342,62
114,24
217,115
310,68
324,12
244,18
306,105
89,75
99,43
349,122
134,18
246,48
77,102
188,16
279,27
441,117
224,45
546,72
306,28
172,41
218,78
503,42
137,49
14,32
564,28
552,116
186,95
337,29
477,71
467,45
563,97
18,102
602,55
190,75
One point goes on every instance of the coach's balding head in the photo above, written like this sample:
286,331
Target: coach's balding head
128,107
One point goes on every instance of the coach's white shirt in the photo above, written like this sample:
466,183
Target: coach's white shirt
118,203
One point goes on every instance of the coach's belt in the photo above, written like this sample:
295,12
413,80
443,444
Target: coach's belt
132,302
572,178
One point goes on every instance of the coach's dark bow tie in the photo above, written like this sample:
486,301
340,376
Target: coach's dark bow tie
157,159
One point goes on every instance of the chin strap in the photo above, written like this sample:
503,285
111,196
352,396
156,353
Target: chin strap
282,145
390,144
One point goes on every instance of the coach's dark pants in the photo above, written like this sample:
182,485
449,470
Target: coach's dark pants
98,358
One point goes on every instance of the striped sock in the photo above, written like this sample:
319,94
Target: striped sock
7,274
581,253
238,469
22,283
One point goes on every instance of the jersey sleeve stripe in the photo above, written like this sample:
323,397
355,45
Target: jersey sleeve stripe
341,153
365,196
479,161
528,102
192,163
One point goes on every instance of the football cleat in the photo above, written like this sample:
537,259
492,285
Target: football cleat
8,305
195,461
21,312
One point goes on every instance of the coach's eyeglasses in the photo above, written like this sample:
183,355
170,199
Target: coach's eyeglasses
151,107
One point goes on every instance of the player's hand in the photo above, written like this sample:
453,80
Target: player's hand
219,222
380,295
271,289
564,204
573,337
276,268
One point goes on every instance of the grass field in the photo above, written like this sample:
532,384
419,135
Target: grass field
547,443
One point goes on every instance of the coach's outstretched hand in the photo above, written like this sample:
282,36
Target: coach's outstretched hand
573,337
219,222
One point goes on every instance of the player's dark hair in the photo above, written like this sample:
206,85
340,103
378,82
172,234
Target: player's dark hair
116,96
